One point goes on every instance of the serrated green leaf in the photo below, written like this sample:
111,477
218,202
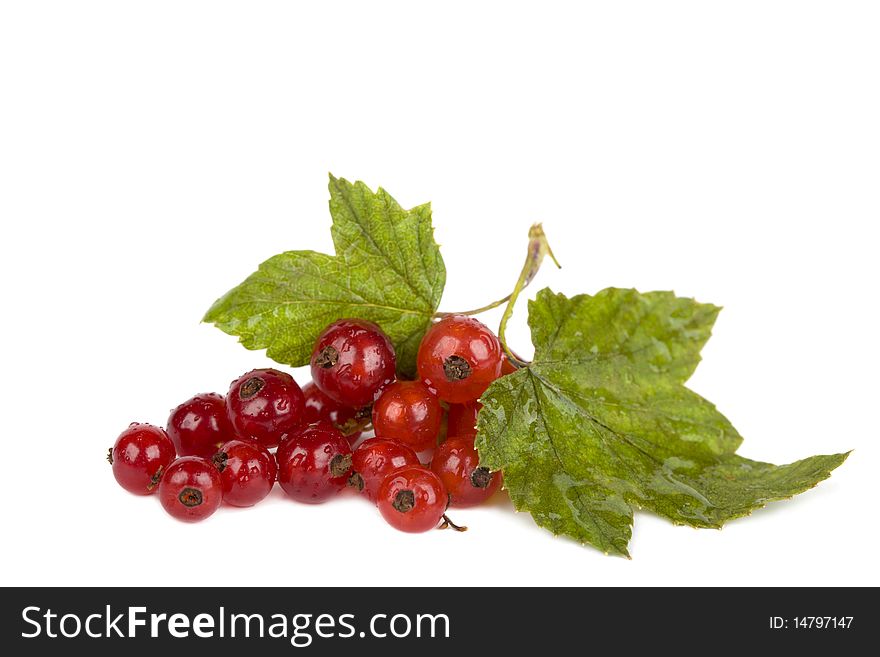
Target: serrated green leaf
601,423
387,269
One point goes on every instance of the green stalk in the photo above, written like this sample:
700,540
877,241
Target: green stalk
475,311
538,248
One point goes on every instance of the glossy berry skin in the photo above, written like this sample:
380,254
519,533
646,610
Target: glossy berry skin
140,456
506,366
375,459
458,358
264,404
320,408
200,425
408,412
457,464
191,489
412,499
247,471
352,360
314,464
462,419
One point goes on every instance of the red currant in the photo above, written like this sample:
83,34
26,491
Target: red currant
462,419
376,458
506,366
200,425
319,407
264,404
247,471
140,456
191,489
457,464
352,360
458,358
408,412
412,499
314,463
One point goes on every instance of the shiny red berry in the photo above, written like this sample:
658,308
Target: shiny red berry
458,358
264,404
191,489
247,471
140,456
457,464
462,419
412,499
506,366
375,459
352,360
314,464
320,408
408,412
200,425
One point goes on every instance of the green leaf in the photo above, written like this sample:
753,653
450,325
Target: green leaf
600,423
387,269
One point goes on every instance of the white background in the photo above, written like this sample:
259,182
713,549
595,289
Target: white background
152,154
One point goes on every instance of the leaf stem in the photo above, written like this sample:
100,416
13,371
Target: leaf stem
535,232
538,248
475,311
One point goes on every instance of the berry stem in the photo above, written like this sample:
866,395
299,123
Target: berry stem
538,248
448,524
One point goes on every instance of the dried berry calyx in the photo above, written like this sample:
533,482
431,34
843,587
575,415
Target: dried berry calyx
340,465
481,477
156,478
404,501
356,481
219,460
190,497
456,368
327,358
251,387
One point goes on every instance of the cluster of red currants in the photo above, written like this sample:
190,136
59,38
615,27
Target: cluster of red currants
217,448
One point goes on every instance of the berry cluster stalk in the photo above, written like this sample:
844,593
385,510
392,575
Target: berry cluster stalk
538,248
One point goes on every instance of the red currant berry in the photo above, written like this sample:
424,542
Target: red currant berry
200,425
352,361
247,471
462,419
408,412
412,499
140,456
191,489
264,404
320,408
506,366
459,357
375,459
457,464
314,464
